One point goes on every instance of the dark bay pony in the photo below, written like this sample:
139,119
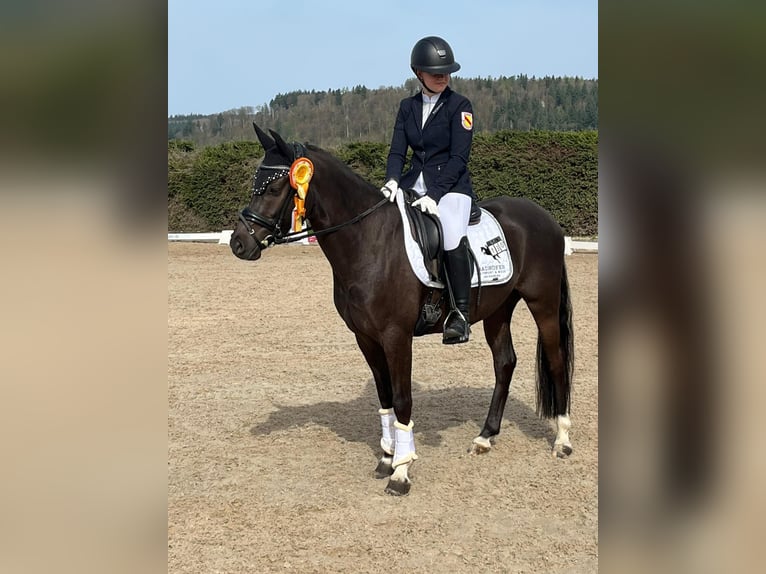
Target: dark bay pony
379,297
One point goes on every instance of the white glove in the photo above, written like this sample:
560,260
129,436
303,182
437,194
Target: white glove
427,205
390,190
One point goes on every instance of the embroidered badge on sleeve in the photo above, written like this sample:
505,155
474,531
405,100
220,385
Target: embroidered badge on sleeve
466,119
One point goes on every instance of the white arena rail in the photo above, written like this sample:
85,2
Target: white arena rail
223,237
197,237
572,246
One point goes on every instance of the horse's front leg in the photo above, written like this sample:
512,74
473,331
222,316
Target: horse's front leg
398,349
385,466
376,359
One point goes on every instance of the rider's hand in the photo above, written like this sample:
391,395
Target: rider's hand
427,205
390,190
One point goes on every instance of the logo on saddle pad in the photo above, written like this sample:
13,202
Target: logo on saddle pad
494,247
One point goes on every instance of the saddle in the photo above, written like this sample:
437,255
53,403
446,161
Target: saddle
427,231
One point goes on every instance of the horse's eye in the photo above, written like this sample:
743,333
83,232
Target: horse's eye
272,190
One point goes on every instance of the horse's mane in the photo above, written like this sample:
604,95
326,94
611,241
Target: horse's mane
353,179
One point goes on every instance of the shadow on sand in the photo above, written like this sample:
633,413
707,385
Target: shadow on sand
433,411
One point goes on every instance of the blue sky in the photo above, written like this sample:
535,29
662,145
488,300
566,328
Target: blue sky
228,54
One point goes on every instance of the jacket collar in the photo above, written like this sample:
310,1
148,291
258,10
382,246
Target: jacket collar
418,102
418,97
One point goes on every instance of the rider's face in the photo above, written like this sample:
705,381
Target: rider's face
435,83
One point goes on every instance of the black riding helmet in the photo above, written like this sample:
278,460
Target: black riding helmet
434,56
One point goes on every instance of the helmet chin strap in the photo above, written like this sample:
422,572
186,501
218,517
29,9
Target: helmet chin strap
428,90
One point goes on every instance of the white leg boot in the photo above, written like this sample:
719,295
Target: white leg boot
387,419
404,456
387,443
404,449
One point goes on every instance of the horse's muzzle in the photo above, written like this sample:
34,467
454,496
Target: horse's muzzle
244,245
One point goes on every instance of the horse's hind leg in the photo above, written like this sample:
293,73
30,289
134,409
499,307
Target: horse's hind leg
554,356
497,331
376,359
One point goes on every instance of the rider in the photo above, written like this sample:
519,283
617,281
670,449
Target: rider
437,124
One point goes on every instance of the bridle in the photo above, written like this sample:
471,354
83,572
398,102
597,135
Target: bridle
276,235
248,216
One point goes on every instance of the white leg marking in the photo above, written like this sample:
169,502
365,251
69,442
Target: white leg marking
481,445
480,440
562,436
564,424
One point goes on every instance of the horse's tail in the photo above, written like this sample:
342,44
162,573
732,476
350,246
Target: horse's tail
550,400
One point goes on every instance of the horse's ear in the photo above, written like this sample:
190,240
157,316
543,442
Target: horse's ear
263,137
285,149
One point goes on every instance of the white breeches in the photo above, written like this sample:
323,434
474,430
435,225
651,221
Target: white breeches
454,212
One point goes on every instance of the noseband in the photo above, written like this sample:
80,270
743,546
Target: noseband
273,225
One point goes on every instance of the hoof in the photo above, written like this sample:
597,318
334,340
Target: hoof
480,445
562,450
384,468
398,487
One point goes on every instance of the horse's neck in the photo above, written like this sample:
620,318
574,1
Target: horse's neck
353,247
339,197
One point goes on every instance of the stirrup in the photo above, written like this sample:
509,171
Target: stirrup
457,329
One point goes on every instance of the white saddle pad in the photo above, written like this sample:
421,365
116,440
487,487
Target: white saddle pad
487,243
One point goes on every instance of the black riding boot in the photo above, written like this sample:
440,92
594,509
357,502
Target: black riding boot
457,264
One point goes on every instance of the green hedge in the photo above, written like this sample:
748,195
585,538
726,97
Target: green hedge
558,170
208,187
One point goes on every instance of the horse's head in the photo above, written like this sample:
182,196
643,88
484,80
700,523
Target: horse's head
268,216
